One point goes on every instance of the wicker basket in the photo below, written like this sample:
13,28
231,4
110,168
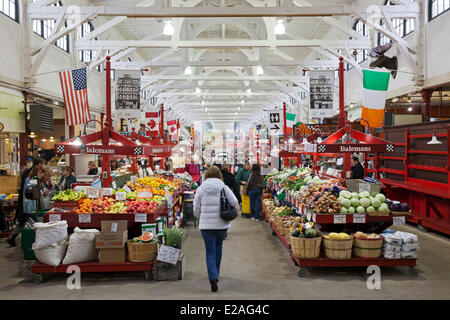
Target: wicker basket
142,252
379,213
367,248
399,213
338,249
305,248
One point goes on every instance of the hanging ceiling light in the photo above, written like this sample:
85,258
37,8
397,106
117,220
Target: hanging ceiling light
51,139
188,71
279,27
409,109
249,90
77,141
434,139
198,91
168,28
32,135
259,71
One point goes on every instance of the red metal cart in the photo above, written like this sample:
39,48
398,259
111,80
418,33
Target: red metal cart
42,271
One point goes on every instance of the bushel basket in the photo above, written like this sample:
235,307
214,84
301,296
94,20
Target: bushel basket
306,248
338,249
367,248
401,213
142,252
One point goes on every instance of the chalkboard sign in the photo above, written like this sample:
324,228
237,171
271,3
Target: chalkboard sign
168,254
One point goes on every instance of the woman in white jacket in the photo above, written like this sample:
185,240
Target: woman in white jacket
211,225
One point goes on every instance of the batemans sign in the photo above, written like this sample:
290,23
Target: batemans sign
342,148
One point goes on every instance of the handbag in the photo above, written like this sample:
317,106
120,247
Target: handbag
227,212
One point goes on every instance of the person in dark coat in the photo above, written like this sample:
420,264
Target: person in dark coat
67,179
230,181
20,217
357,169
255,187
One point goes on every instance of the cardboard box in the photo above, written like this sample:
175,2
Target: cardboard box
114,234
109,255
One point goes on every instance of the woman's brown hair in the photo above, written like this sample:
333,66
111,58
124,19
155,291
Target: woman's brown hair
256,168
213,172
35,170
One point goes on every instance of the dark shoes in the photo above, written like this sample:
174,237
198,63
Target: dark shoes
214,286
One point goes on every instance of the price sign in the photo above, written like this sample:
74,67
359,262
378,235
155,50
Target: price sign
339,218
114,226
127,189
397,221
314,218
168,254
140,217
121,196
308,216
107,191
94,193
114,185
54,217
144,193
84,218
133,179
359,218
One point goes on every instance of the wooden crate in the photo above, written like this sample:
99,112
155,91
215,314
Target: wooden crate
166,271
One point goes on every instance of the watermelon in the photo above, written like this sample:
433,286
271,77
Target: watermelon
146,237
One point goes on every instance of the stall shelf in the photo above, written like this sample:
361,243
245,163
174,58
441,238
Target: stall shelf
42,271
352,262
419,172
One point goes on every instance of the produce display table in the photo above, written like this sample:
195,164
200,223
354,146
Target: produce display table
41,270
328,220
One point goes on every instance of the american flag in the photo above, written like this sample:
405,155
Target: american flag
74,88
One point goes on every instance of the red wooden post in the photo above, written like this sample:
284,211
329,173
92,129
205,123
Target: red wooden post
286,160
161,123
426,95
365,164
448,154
108,126
406,160
342,119
72,157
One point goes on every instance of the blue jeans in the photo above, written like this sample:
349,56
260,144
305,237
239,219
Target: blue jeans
213,245
255,202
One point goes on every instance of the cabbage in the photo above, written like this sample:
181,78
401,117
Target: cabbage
375,202
355,202
355,195
344,210
360,209
351,210
381,197
371,198
365,202
370,209
364,194
345,194
383,207
346,203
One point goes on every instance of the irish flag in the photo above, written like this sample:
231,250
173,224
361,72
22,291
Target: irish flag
290,121
375,84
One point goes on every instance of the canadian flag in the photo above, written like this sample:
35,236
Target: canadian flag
152,123
172,129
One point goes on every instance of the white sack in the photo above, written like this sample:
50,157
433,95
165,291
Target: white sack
392,248
81,246
49,233
53,254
